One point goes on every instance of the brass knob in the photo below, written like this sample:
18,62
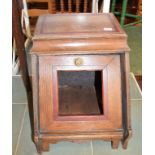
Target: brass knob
78,61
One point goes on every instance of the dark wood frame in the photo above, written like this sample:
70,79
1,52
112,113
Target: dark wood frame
56,95
116,135
46,60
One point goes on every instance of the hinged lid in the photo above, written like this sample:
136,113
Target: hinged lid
78,34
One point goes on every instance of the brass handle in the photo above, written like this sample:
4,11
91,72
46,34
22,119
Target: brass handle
78,61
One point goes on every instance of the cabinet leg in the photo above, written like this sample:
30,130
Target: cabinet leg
45,146
41,145
115,143
39,149
126,140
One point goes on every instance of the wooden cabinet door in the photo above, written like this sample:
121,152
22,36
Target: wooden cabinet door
50,119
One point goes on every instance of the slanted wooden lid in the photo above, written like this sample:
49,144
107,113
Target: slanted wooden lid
78,34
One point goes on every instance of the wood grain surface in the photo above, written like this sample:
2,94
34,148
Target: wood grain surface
82,111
